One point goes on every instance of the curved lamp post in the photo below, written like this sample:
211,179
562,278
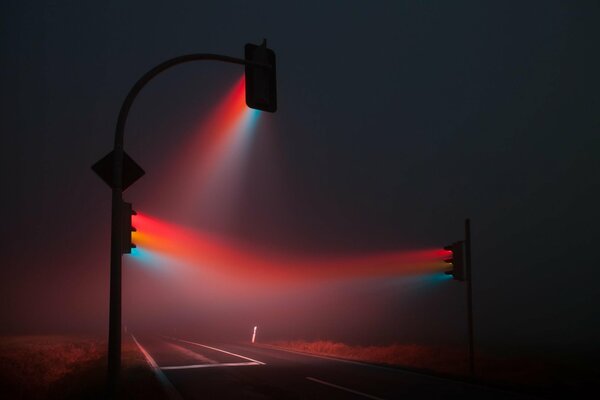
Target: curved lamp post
119,170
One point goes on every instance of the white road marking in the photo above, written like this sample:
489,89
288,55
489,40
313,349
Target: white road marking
149,358
172,393
368,396
221,350
400,369
343,360
192,354
243,364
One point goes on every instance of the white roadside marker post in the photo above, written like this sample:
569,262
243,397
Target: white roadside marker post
254,334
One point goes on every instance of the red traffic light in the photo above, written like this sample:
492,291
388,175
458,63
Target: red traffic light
456,260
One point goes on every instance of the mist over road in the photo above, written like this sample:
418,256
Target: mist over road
197,370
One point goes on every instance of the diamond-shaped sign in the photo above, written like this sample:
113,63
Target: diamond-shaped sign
131,170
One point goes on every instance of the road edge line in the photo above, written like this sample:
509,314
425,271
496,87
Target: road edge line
344,360
168,387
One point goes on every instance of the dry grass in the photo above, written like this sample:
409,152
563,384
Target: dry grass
69,367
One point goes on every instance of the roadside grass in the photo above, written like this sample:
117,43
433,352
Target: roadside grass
70,367
533,375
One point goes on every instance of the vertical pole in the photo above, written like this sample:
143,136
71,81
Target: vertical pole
469,296
114,312
114,316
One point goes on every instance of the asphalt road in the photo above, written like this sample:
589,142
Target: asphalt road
194,370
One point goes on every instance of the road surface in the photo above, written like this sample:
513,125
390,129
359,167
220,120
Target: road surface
191,369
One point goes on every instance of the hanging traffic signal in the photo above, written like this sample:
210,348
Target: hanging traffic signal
456,260
128,228
261,82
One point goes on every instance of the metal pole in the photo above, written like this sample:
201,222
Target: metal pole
114,317
469,296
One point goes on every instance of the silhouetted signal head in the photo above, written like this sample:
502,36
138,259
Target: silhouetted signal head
456,260
127,228
261,81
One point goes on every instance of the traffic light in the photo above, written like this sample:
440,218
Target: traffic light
261,83
128,228
456,260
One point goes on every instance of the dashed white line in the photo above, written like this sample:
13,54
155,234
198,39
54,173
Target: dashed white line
399,369
368,396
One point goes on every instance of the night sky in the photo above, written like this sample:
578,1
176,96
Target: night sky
396,120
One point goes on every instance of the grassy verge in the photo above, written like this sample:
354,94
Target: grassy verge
70,367
539,376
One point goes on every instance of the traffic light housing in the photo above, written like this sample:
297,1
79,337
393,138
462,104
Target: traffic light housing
261,82
128,228
456,260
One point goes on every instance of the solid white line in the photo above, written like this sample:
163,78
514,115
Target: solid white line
210,365
368,396
172,393
149,358
222,351
192,354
